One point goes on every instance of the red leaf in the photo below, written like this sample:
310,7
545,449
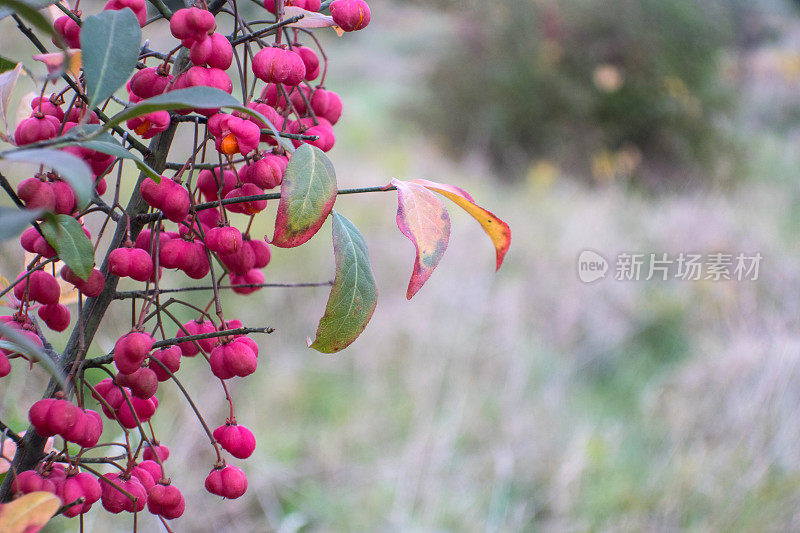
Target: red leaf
422,218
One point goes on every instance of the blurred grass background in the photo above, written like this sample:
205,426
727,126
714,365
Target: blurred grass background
525,400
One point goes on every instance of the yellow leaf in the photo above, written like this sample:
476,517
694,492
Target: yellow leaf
33,510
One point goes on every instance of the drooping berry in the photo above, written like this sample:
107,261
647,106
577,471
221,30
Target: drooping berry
240,263
41,287
170,356
31,481
37,194
252,277
55,316
192,24
278,65
143,383
196,327
131,262
261,252
165,500
69,31
36,128
209,182
115,501
236,439
264,173
149,125
310,60
160,450
224,240
251,207
150,82
350,15
130,351
228,482
215,51
137,6
91,287
64,198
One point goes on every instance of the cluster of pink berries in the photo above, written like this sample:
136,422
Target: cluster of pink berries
293,108
68,484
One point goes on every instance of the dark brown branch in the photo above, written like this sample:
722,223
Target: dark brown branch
125,295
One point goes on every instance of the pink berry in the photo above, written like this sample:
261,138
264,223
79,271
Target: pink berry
48,107
215,51
38,415
115,501
36,128
144,476
137,6
30,481
278,65
194,327
170,357
41,287
65,201
55,316
161,451
236,440
249,208
93,429
192,24
143,383
69,31
224,240
310,60
149,125
37,194
333,108
176,203
240,263
91,287
252,277
209,182
144,410
165,500
228,482
130,350
131,262
350,15
150,82
308,5
62,416
264,173
261,251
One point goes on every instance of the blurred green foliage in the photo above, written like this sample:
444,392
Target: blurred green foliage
606,88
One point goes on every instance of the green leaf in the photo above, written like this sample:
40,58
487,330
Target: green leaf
7,64
66,235
14,220
111,41
308,192
353,296
17,342
72,169
104,142
192,98
29,11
